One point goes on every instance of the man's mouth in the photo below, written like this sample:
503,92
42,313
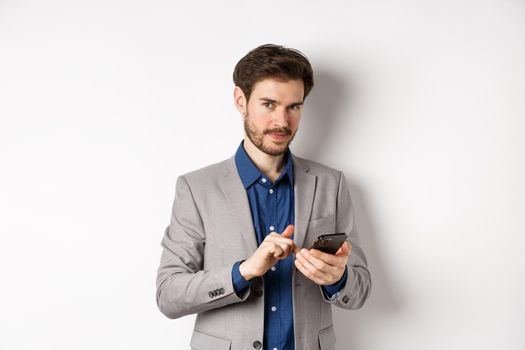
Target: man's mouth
278,136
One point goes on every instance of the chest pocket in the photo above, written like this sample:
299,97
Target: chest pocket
320,226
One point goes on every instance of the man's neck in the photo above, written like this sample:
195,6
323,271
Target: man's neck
270,166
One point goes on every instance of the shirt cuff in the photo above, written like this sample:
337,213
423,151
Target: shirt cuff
335,288
239,283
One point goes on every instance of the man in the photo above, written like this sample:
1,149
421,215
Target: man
236,251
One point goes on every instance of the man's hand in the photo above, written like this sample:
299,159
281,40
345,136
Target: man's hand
323,268
274,247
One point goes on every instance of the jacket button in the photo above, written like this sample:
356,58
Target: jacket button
211,295
221,290
345,299
257,344
258,293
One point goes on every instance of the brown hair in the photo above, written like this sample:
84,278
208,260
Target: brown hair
272,61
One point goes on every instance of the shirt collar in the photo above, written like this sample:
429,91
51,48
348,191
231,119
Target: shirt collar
249,173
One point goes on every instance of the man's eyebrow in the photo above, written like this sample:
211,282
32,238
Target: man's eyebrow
266,99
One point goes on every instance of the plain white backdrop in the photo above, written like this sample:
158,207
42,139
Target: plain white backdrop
104,103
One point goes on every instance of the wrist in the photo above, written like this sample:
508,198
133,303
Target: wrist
245,271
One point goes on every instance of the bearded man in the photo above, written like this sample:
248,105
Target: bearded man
237,251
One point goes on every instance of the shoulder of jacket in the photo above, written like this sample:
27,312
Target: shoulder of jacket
318,169
208,172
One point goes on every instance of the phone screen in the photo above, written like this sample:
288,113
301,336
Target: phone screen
329,243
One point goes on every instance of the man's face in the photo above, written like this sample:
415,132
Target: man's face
273,114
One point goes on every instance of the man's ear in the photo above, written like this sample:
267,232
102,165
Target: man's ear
240,100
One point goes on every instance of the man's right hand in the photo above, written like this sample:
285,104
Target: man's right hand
274,247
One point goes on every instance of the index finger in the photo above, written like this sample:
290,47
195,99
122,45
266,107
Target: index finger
345,249
327,258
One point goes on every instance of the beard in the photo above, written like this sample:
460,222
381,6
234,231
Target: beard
257,138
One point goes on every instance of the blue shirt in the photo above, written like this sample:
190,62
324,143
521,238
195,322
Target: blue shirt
272,209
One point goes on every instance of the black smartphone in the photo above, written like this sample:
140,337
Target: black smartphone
329,243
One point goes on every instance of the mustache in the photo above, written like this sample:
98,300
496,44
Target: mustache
286,131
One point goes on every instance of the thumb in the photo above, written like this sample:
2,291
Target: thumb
288,231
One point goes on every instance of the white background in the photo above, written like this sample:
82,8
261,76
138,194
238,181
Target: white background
104,103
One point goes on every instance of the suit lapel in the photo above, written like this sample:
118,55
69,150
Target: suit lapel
304,189
236,195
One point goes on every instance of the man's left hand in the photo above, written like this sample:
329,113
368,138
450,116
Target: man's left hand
323,268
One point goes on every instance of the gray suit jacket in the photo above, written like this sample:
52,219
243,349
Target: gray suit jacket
211,228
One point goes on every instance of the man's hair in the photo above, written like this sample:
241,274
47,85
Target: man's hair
272,61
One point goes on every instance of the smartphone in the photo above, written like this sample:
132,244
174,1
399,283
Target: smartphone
329,243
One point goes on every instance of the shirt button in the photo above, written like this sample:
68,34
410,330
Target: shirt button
263,180
275,349
272,228
274,308
273,268
271,190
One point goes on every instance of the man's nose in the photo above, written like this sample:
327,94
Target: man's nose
280,117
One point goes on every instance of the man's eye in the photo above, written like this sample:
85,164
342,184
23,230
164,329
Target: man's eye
295,107
268,104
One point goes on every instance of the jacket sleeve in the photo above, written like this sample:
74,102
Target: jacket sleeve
358,284
183,286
